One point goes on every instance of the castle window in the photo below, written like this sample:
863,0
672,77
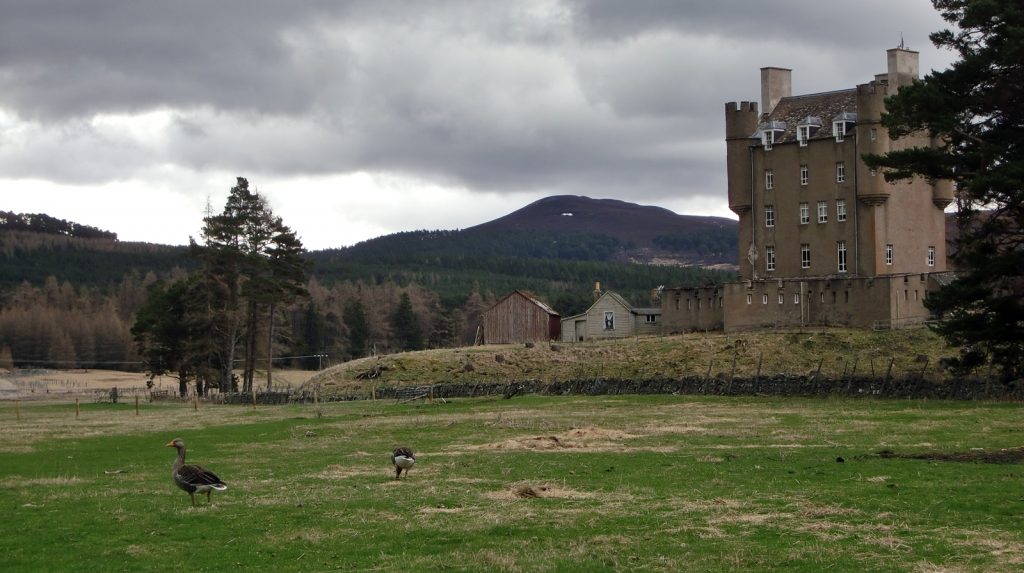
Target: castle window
782,298
874,134
689,304
841,252
840,209
823,211
842,124
805,214
769,179
806,128
804,172
888,254
805,256
931,256
750,298
796,298
769,258
840,172
803,133
769,215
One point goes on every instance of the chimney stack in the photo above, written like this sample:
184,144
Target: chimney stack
903,68
776,83
597,290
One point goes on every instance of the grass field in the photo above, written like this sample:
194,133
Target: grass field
624,483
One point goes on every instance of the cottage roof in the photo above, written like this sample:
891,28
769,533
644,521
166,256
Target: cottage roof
820,108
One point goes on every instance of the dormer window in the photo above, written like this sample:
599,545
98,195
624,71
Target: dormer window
806,128
843,124
770,132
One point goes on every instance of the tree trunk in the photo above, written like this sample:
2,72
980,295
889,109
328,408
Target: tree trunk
270,347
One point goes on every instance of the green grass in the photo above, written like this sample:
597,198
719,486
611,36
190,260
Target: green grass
623,483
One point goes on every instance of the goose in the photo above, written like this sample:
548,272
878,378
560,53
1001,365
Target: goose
192,478
403,459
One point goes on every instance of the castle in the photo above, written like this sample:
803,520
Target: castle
823,239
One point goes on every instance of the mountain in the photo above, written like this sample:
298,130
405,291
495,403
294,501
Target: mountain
646,234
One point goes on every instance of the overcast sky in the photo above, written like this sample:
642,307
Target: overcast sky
367,117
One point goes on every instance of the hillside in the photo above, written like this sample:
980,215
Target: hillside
646,234
839,352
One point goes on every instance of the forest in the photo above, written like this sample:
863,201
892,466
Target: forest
69,301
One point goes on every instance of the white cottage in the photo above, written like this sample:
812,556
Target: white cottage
611,316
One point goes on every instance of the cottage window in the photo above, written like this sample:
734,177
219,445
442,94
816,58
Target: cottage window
805,256
840,209
651,318
609,320
769,215
805,214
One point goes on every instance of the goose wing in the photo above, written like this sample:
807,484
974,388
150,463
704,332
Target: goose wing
198,475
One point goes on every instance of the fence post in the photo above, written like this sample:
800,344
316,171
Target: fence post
76,408
136,404
757,377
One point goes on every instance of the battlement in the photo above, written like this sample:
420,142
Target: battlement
741,107
740,119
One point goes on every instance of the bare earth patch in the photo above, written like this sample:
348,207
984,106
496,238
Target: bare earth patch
591,439
1002,456
527,491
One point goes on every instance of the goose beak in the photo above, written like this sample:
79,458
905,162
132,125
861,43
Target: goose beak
169,444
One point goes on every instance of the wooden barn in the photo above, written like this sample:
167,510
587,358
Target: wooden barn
518,318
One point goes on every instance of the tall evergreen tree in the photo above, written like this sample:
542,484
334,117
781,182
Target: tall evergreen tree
405,325
975,110
358,328
252,263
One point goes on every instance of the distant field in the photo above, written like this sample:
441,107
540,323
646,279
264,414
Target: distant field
624,483
69,384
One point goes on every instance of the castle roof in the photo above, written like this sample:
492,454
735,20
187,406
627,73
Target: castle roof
817,110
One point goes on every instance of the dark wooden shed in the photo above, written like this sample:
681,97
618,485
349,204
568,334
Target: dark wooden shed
519,318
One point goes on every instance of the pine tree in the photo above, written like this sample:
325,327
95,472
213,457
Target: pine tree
358,328
405,325
975,110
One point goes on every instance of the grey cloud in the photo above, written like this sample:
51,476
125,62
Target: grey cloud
592,97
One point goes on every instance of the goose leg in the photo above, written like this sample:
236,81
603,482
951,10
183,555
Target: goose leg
208,496
193,496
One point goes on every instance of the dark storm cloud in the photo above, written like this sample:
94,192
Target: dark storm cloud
599,97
